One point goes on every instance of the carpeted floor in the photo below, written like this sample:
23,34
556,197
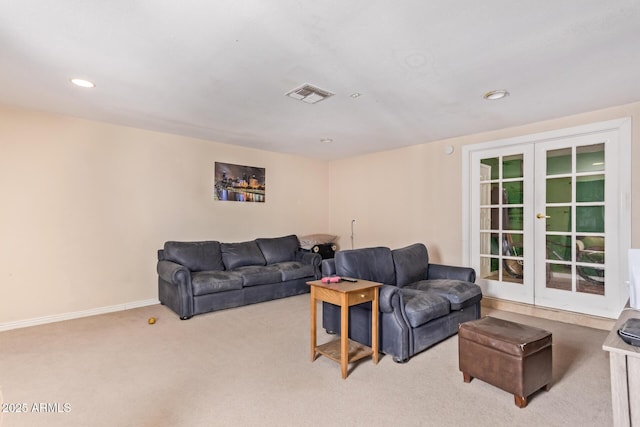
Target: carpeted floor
251,366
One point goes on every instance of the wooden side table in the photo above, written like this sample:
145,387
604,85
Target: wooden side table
624,364
345,294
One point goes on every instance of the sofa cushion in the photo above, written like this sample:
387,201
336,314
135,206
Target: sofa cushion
236,255
196,256
210,282
253,275
460,294
279,249
411,264
421,307
375,264
295,270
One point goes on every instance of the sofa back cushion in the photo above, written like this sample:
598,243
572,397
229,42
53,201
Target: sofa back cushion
411,264
279,249
375,264
236,255
196,256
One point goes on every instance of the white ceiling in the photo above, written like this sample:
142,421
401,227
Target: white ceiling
219,69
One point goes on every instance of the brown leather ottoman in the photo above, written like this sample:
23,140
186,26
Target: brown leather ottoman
510,356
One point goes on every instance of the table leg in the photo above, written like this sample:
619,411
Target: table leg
619,389
344,335
374,327
313,324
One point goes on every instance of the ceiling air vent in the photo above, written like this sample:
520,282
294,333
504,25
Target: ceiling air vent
309,94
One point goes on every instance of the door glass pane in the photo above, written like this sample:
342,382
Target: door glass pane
489,244
495,244
590,219
512,248
559,161
512,166
558,248
489,268
559,276
590,188
493,163
513,191
485,194
559,190
513,220
495,218
590,249
590,158
496,197
590,264
514,245
495,193
559,218
559,256
513,270
590,279
485,218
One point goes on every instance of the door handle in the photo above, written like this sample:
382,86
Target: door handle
541,216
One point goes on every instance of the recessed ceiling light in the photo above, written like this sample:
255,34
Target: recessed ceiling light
326,140
355,95
496,94
83,83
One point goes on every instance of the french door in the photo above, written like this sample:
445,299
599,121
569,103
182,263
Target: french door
503,233
545,222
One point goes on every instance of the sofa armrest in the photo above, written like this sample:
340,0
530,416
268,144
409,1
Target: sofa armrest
395,338
174,287
174,273
328,267
389,299
439,271
310,258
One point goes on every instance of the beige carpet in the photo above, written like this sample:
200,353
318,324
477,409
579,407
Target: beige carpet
251,366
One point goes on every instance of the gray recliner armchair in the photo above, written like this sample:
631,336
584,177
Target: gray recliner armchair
420,304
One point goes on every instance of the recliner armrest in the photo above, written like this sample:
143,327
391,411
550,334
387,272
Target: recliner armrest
172,272
328,267
389,298
439,271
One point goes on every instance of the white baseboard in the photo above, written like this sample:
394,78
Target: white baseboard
75,315
548,313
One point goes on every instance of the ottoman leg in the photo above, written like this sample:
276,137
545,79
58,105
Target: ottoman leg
467,377
521,402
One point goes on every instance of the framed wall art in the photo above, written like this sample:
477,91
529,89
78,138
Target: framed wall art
239,183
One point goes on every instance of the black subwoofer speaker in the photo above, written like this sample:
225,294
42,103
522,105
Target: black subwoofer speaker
326,250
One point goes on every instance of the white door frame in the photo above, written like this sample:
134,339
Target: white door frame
623,183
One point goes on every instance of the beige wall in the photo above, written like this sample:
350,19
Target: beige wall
414,194
86,205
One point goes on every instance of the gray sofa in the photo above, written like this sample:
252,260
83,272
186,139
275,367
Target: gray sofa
199,277
420,304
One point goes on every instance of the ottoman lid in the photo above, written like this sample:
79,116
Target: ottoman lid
506,336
